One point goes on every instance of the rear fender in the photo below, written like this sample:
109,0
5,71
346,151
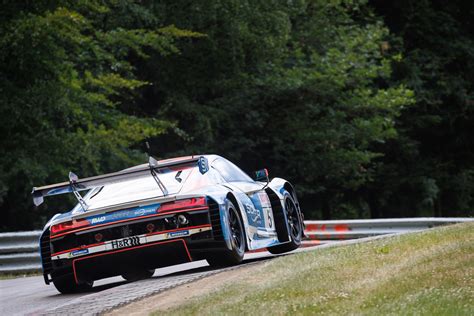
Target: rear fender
223,198
243,215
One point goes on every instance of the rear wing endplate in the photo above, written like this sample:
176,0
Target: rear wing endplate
74,185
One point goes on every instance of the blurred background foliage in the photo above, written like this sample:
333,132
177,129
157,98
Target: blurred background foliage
367,107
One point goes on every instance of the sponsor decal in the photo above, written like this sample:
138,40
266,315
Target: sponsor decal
144,211
125,242
124,214
253,213
97,220
178,234
79,252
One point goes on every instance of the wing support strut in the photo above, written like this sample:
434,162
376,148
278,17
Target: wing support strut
72,180
153,165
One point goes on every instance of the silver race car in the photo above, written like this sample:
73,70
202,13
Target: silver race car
164,213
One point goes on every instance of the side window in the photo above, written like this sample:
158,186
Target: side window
229,171
215,176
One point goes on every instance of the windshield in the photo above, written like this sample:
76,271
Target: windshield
176,180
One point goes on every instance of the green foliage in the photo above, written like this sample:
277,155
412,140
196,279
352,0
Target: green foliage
431,164
308,96
365,106
66,78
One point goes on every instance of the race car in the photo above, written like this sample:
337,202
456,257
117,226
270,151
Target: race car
164,213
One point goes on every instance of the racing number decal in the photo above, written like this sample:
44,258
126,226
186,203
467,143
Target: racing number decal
267,208
203,165
270,220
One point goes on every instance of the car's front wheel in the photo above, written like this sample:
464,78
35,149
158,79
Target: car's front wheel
234,255
67,285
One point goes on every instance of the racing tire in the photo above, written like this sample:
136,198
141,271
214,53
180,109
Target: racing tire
136,275
295,224
236,254
67,285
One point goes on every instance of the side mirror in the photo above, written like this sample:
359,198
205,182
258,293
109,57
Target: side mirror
262,175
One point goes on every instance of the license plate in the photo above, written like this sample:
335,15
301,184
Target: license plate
125,242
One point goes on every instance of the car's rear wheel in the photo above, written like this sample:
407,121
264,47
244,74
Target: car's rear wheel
67,285
234,255
136,275
295,225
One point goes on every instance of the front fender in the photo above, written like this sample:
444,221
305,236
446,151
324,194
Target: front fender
278,186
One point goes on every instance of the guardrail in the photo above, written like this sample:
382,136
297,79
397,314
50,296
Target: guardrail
359,228
19,251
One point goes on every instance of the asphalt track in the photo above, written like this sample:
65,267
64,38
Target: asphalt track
30,296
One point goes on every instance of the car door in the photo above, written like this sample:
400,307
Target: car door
255,200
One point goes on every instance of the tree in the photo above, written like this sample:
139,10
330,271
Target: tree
429,169
301,87
68,85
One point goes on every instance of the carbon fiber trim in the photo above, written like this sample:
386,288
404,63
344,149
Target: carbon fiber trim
215,218
279,217
45,251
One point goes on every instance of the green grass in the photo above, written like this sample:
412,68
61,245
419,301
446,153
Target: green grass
427,273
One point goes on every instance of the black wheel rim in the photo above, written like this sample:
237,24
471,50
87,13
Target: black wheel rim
293,219
236,230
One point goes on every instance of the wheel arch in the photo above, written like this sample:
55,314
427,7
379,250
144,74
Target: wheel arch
289,187
243,217
291,190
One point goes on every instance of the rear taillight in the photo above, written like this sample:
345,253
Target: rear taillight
67,226
182,204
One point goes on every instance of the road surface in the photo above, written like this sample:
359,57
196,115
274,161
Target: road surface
31,296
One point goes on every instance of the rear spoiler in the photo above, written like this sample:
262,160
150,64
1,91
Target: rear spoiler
74,185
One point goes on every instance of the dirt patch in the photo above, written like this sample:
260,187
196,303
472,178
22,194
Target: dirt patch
182,294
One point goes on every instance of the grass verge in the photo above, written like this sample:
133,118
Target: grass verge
426,273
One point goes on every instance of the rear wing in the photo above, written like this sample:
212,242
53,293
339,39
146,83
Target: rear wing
74,185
